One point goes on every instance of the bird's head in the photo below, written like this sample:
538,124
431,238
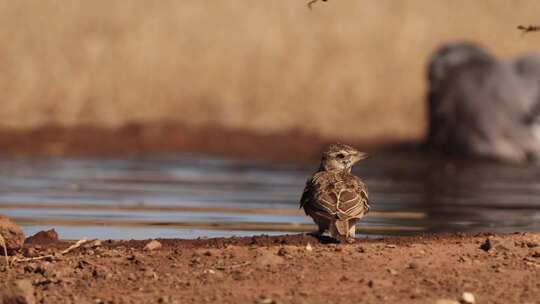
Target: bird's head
340,157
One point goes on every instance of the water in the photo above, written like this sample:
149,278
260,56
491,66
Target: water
190,196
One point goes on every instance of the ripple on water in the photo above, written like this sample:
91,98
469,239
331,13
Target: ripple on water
192,196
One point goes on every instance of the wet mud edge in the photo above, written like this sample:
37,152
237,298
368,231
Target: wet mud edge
142,139
270,241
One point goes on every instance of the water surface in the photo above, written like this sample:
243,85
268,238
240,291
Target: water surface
190,196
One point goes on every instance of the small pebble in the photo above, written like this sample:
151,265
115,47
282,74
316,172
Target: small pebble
282,252
265,300
152,245
486,246
532,244
468,298
413,265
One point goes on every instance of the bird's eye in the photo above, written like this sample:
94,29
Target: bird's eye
340,155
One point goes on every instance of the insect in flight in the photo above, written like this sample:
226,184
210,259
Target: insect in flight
528,29
310,3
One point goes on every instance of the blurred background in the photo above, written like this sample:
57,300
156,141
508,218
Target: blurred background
267,77
265,66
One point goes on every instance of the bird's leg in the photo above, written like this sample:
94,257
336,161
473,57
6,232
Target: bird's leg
321,230
333,231
341,230
352,232
322,226
352,227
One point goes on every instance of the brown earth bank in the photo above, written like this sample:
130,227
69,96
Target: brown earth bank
281,269
139,139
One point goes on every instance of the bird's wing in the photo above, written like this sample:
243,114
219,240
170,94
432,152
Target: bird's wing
318,197
340,197
307,194
352,199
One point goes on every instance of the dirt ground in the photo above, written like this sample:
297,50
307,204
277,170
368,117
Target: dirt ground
285,269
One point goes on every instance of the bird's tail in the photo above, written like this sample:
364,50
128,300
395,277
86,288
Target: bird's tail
339,229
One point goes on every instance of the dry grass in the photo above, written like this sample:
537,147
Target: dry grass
348,69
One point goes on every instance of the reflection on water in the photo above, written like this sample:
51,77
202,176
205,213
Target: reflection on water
192,196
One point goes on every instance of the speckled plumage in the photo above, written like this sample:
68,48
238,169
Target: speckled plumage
335,198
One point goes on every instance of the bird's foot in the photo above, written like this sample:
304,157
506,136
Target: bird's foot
350,240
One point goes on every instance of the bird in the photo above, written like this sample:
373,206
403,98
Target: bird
335,198
481,106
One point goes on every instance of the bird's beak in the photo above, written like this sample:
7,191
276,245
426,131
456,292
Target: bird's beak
360,156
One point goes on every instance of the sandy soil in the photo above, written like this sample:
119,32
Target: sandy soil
287,269
138,139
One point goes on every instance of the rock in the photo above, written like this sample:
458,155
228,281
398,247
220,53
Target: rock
164,299
265,300
12,234
309,248
379,283
36,268
18,292
152,245
93,245
498,244
468,298
486,245
531,244
131,257
392,271
42,238
282,252
463,259
43,282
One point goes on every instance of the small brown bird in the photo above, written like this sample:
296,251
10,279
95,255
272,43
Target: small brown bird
335,198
